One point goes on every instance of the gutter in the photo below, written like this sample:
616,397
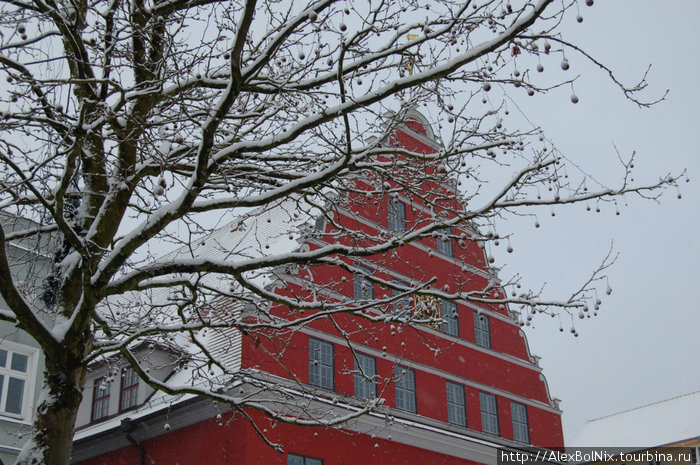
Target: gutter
127,427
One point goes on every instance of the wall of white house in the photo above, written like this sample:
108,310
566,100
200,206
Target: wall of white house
14,427
30,261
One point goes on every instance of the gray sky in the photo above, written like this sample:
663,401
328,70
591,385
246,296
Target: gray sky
641,347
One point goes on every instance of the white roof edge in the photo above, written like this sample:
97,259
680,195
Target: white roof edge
656,424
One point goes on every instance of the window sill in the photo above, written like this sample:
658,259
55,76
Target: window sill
16,420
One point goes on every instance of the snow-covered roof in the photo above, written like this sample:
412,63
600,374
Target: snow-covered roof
657,424
275,229
271,230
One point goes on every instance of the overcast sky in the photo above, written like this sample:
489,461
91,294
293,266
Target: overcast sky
642,347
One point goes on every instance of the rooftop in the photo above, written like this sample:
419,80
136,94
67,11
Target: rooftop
656,424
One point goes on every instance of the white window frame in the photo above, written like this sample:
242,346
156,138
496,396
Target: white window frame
488,403
521,422
319,351
444,243
450,318
456,404
102,386
365,376
29,377
396,216
405,382
296,459
482,330
362,287
403,306
129,376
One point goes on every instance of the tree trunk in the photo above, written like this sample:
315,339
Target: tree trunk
56,412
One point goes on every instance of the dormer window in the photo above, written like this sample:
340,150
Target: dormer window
100,398
128,396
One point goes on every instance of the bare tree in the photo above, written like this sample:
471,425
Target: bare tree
128,125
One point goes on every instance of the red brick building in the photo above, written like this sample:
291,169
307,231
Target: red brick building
456,384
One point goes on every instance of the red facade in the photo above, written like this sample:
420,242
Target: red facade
207,443
494,364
